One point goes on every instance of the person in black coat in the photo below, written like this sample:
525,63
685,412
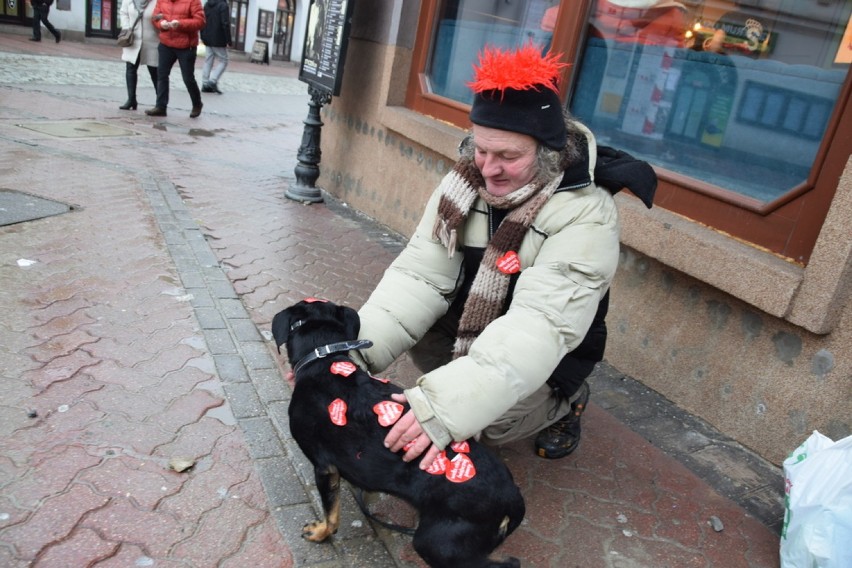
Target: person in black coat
41,8
216,35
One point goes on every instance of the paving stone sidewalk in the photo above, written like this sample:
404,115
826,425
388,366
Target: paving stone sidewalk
138,333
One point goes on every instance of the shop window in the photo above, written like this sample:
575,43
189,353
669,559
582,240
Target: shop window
463,27
739,105
239,17
738,96
102,18
285,17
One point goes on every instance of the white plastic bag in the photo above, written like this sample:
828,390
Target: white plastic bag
817,531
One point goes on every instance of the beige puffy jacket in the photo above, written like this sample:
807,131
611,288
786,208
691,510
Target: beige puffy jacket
568,261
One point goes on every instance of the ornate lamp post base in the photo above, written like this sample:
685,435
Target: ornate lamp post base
304,194
307,170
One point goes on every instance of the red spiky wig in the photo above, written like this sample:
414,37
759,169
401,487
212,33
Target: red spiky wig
517,90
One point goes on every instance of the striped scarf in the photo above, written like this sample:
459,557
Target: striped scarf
459,191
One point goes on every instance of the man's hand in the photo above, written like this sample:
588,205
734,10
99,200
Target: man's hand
408,432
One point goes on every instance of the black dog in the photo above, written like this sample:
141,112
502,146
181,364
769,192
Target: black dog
339,416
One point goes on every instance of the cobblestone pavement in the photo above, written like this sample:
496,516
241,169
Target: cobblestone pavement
135,334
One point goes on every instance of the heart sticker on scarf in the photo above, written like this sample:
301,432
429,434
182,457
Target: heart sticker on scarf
388,412
337,412
344,368
461,469
439,466
460,447
509,263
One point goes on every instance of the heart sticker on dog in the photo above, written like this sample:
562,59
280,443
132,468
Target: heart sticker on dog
388,411
439,466
312,300
460,447
509,263
461,469
343,368
337,412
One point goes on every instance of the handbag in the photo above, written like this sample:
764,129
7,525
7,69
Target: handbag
125,36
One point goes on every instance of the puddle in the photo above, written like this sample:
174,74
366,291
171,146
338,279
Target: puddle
77,129
195,132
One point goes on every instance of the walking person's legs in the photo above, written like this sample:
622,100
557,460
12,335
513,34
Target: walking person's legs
43,13
186,60
152,71
36,24
205,71
166,58
221,63
131,78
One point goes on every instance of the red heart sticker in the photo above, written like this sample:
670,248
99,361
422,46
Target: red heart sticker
388,411
461,469
409,445
460,447
337,412
509,263
344,368
312,300
439,466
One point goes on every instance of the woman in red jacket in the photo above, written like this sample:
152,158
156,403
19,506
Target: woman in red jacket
179,22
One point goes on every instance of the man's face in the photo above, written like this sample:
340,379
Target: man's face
506,160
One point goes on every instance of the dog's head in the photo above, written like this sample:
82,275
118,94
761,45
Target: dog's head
313,323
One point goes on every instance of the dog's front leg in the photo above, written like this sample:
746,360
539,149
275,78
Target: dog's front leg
328,485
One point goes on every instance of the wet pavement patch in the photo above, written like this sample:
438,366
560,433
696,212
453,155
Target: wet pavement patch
194,132
17,207
77,129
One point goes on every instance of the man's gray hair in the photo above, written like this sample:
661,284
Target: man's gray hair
550,162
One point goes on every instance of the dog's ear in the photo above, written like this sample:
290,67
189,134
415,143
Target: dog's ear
350,319
281,327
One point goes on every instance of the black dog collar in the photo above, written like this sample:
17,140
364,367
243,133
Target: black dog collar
330,349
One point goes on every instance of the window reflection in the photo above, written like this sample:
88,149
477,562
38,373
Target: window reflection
737,94
464,27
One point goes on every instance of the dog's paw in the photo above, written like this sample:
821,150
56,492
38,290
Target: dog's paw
317,531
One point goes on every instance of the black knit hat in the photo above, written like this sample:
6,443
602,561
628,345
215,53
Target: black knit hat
516,91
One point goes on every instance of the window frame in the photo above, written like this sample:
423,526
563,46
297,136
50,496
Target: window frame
788,226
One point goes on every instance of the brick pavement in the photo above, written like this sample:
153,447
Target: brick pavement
140,335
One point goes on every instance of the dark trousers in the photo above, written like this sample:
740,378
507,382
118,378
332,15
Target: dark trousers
40,15
131,76
186,60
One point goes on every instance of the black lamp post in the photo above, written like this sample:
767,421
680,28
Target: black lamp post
307,170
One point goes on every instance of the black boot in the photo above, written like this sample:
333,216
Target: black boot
563,436
130,77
